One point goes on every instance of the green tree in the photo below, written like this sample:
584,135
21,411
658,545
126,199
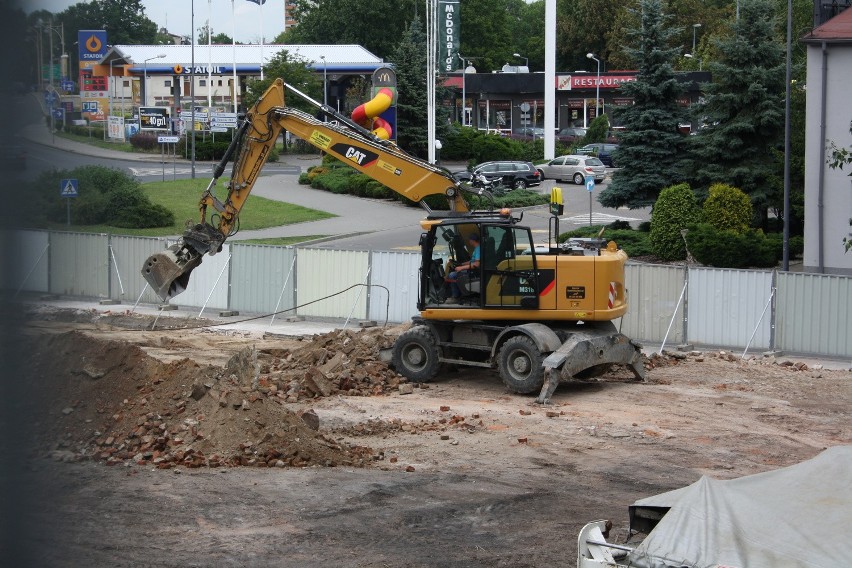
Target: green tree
651,149
727,208
676,209
377,25
294,71
409,60
215,38
743,109
582,26
487,33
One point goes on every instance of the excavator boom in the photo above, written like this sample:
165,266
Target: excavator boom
168,272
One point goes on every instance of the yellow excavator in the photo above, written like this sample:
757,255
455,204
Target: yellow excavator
538,313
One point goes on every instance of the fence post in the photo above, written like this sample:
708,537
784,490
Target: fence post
281,295
213,289
366,281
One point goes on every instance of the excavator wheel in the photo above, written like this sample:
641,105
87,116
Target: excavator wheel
520,365
415,355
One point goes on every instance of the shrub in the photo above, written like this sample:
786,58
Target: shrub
597,130
729,249
634,243
107,196
676,209
143,141
727,208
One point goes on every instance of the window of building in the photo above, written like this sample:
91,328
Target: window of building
202,83
167,83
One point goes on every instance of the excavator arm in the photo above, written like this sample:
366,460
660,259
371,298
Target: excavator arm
168,272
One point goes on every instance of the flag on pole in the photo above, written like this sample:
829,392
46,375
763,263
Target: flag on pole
258,2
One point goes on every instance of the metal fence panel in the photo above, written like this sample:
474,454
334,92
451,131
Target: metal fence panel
127,255
652,293
813,314
727,306
79,264
25,261
399,273
263,278
208,285
322,273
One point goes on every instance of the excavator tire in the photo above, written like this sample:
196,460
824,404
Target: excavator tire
415,355
520,365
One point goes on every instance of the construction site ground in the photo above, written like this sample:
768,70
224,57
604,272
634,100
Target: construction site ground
127,446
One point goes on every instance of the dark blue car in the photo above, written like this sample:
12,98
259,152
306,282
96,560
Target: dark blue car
603,151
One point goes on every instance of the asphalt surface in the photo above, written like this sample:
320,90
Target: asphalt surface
360,224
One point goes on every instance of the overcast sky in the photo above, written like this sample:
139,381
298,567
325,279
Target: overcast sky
176,15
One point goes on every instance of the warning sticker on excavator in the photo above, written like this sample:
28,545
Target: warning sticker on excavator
320,140
389,167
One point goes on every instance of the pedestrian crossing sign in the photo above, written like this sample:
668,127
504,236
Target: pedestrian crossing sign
68,188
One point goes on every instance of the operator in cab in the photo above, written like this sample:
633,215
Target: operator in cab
464,271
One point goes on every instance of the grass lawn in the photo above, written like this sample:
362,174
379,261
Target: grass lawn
181,197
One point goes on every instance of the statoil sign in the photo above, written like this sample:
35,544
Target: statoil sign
93,44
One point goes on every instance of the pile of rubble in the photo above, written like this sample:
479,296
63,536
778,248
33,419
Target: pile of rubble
110,401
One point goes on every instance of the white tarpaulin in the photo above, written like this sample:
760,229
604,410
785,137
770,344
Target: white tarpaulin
799,516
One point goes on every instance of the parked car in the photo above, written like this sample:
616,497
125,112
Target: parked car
574,168
603,151
528,133
571,134
512,174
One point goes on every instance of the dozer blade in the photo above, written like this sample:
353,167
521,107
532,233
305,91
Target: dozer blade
585,350
168,272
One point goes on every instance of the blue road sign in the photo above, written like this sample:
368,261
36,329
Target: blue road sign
68,188
50,98
590,183
68,86
58,113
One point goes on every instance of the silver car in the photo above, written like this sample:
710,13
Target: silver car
573,168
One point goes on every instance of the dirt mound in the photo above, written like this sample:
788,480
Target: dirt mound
110,401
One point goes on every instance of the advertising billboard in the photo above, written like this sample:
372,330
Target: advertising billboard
154,118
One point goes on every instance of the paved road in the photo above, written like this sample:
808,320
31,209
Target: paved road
361,224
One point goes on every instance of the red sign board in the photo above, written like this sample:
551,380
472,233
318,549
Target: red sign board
579,81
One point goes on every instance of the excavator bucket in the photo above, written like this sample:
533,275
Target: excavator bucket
585,353
168,271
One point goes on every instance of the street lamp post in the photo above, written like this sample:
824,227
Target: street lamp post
691,56
597,85
526,60
64,56
145,74
694,28
110,86
324,81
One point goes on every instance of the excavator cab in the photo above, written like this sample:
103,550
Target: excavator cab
507,277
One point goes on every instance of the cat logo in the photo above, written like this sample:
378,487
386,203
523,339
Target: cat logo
359,156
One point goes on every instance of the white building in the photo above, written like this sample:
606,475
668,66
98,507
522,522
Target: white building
828,192
163,75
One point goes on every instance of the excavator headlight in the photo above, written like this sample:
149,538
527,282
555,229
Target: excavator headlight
451,192
505,212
